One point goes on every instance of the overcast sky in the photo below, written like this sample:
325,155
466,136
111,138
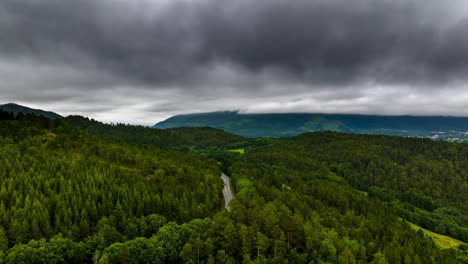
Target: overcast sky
141,61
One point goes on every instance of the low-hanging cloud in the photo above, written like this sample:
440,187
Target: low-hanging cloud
333,51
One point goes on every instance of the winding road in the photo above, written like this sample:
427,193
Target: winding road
227,190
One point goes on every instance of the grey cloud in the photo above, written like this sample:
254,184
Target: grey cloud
338,40
32,80
331,41
144,49
154,58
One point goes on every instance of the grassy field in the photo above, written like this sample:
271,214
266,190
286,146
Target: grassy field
240,150
440,240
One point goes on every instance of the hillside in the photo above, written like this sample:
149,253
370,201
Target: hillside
67,196
15,108
426,181
283,125
183,138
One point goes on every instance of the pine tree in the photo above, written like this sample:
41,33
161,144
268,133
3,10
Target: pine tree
3,240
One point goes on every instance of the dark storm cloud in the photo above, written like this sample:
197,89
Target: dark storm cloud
139,58
330,41
320,41
345,37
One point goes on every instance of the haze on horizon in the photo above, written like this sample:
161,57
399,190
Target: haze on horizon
142,61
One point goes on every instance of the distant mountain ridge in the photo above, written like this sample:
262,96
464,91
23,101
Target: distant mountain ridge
291,124
15,108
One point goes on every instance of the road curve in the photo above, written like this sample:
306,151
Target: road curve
227,190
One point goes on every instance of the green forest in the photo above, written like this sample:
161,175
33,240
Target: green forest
74,190
292,124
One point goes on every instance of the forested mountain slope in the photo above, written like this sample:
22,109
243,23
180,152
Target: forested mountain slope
182,138
15,108
427,181
70,197
291,124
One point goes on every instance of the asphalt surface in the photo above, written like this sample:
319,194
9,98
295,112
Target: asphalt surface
227,190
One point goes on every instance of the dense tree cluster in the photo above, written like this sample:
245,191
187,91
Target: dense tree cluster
183,138
70,197
427,180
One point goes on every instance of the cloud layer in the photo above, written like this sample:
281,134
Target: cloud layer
143,60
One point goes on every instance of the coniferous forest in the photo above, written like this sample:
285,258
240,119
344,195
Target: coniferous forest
74,190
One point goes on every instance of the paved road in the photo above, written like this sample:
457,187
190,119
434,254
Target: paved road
227,190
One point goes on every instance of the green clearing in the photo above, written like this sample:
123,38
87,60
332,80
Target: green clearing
239,150
440,240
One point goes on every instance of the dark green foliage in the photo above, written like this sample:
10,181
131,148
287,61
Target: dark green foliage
183,139
425,180
70,197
